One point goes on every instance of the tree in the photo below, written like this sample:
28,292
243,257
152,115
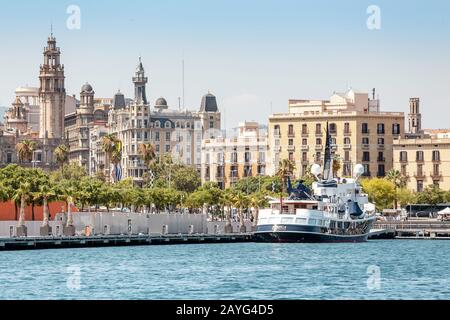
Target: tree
257,201
241,201
61,154
22,194
432,195
46,194
227,200
380,191
286,168
12,177
336,165
25,150
405,197
111,145
399,182
185,178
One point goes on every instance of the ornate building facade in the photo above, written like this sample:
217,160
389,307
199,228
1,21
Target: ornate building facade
175,132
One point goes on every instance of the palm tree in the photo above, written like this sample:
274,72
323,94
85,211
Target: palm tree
398,180
25,150
46,194
22,194
241,201
227,200
111,145
62,156
285,169
69,194
148,153
257,201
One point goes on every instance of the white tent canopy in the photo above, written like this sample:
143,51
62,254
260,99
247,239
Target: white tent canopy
446,211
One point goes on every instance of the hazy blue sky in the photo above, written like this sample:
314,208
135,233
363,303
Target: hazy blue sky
249,53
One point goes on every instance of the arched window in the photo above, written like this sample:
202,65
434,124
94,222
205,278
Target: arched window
167,125
347,140
157,124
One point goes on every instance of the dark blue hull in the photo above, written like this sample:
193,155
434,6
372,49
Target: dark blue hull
311,234
300,237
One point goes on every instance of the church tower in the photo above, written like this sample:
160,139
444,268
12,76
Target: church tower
414,117
52,93
140,81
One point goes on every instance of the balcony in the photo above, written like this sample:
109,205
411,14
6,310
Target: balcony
436,160
304,147
381,159
436,175
419,175
381,174
291,134
305,133
347,132
420,160
291,148
319,133
365,131
366,146
319,147
381,147
403,160
347,146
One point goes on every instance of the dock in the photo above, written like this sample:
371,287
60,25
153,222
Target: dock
39,243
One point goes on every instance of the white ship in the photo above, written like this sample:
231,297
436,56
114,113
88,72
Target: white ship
335,211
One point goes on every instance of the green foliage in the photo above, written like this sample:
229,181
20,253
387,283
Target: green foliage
432,195
380,191
405,197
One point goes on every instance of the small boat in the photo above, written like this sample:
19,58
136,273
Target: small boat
336,210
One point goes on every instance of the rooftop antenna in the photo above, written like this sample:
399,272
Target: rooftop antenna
179,103
182,81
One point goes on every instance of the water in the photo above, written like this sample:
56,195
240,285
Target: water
407,270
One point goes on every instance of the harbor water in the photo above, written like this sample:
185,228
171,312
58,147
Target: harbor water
394,269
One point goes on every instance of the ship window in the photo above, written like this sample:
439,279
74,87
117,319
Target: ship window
287,220
313,221
300,220
274,220
263,220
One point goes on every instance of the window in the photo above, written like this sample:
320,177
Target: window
381,157
167,136
291,156
436,156
381,141
381,170
211,124
276,130
157,136
305,142
318,156
366,170
291,142
419,185
248,156
436,168
420,170
234,157
347,127
403,156
396,128
304,129
347,140
168,125
157,124
319,141
403,170
380,128
318,128
167,148
365,141
304,156
366,156
365,128
419,156
291,129
347,156
333,129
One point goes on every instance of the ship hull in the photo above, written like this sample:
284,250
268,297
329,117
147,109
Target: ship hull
303,237
311,234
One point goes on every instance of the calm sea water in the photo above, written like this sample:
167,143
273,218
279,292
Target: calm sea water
374,270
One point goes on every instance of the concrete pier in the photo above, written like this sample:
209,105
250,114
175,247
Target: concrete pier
35,243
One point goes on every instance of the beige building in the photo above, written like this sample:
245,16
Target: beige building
226,160
360,133
423,155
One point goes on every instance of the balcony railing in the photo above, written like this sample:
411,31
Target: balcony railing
305,133
291,134
319,147
419,175
305,147
381,147
381,159
436,174
347,146
347,132
403,160
290,148
366,146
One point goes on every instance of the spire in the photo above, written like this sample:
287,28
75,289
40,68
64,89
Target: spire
140,81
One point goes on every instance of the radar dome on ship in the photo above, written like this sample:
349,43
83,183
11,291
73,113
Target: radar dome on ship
316,169
359,170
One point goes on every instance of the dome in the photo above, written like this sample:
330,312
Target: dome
161,103
209,103
86,88
119,101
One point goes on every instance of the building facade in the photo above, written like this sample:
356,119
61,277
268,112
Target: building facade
226,160
175,132
360,132
423,156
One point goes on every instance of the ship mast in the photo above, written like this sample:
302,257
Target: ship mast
327,171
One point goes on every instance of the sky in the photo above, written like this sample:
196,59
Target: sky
254,55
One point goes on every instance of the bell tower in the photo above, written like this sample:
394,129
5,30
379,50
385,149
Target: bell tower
140,81
414,117
52,93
